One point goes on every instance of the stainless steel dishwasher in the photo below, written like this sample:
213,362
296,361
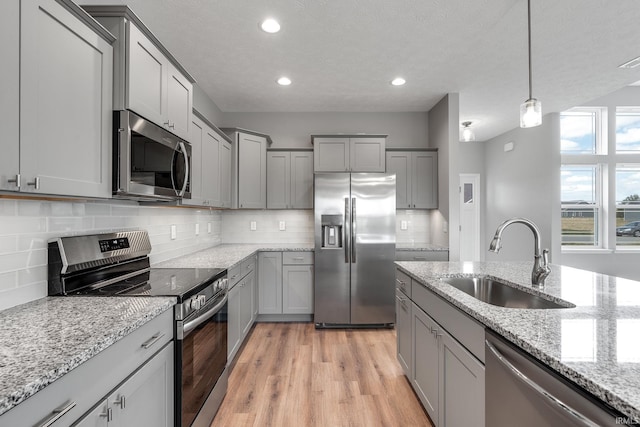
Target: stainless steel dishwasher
521,391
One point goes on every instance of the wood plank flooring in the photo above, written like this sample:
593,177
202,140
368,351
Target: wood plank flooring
290,374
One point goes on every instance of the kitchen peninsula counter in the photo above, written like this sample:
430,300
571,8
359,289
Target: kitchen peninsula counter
594,344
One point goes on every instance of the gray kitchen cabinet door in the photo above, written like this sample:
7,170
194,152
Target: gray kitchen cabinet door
10,89
252,171
179,102
461,385
225,174
247,298
399,162
403,332
331,154
98,417
367,155
146,78
211,173
297,289
425,180
65,103
233,325
270,271
197,133
301,180
425,354
278,179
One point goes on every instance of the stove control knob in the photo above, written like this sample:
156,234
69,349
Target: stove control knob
195,303
202,299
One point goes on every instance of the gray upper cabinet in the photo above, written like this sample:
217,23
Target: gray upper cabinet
210,166
416,178
289,180
349,153
249,169
57,136
147,78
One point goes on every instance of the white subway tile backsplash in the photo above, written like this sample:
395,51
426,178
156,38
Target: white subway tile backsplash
8,281
17,225
8,244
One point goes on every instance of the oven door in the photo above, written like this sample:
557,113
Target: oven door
152,163
201,359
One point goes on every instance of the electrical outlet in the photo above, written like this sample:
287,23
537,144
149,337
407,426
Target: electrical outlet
197,229
253,226
445,227
282,226
403,225
174,232
209,227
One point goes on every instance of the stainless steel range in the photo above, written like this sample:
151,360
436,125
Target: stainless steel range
117,264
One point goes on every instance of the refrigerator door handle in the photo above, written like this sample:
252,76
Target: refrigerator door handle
345,239
353,230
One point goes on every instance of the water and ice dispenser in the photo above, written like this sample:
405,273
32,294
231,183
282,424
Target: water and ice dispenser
332,229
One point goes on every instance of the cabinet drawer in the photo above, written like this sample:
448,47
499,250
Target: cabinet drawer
291,258
95,378
466,330
403,282
248,265
234,274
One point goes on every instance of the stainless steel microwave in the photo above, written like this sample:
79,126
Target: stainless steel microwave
149,162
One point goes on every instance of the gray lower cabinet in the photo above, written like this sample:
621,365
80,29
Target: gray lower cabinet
242,304
144,399
289,180
422,255
286,283
57,112
416,178
139,367
444,358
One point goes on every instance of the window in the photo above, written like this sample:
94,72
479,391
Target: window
600,178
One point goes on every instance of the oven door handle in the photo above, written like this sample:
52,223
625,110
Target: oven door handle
192,324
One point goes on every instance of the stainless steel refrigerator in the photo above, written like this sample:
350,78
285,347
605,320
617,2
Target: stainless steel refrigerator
355,242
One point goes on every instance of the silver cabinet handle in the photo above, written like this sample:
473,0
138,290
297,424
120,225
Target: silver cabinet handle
35,183
57,414
169,124
15,180
151,341
536,387
298,258
353,230
345,239
108,415
122,402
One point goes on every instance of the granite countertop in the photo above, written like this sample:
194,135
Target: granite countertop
229,255
62,333
595,344
427,247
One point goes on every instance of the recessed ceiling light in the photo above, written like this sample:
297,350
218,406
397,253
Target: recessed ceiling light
270,25
398,81
284,81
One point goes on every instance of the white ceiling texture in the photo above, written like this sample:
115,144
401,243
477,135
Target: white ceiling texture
342,54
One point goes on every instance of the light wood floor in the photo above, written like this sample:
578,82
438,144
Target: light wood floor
290,374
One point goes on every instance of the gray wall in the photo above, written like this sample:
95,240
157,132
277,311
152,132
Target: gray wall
523,183
443,135
293,130
206,106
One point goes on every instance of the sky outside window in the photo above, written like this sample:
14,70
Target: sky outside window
628,129
578,184
578,132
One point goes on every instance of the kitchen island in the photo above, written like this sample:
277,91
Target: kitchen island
593,344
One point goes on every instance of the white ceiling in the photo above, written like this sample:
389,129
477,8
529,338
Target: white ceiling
341,54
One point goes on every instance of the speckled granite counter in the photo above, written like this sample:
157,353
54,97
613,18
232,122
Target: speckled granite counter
595,344
228,255
420,247
42,340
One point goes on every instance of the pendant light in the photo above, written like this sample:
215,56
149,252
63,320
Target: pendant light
531,109
467,133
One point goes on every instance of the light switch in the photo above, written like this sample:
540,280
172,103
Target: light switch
282,226
253,226
197,229
174,232
209,227
403,225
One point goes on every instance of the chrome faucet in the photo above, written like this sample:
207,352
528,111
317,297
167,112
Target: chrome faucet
541,267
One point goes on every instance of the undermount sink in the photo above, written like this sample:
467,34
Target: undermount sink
495,292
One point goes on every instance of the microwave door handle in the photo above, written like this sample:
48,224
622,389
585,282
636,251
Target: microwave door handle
186,169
